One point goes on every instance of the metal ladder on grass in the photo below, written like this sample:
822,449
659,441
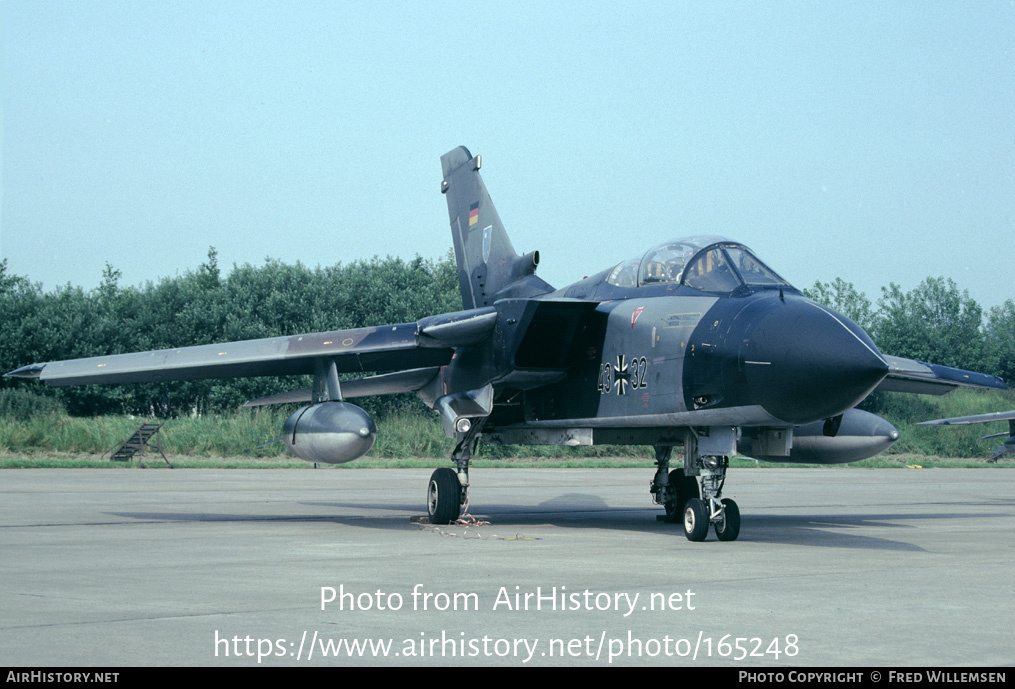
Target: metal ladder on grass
136,443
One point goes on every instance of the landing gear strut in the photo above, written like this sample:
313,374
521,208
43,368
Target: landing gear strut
671,489
710,508
448,490
678,490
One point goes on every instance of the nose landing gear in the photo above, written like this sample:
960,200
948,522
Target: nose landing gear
678,491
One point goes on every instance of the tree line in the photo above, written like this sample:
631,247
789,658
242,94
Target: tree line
204,307
934,322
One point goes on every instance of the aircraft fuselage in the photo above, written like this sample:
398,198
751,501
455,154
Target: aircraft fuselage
769,358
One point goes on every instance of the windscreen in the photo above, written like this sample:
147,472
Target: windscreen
753,271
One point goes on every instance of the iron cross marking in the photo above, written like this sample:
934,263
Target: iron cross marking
621,376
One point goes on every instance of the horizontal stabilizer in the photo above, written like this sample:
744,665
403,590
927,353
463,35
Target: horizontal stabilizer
967,420
995,435
918,377
303,395
384,384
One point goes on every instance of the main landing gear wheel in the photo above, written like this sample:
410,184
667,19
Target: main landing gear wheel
444,496
728,528
683,488
695,520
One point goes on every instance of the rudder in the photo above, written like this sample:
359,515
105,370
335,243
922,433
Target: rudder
488,267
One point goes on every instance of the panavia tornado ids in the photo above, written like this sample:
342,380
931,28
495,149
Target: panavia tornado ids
1007,448
695,343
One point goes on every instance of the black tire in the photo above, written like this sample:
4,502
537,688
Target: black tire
695,520
444,496
729,528
684,488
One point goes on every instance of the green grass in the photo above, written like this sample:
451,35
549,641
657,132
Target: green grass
402,434
73,460
36,435
904,411
61,460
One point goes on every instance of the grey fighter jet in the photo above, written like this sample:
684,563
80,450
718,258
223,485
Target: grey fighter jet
696,343
1006,448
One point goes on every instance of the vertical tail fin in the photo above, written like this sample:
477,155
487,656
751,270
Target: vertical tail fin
488,267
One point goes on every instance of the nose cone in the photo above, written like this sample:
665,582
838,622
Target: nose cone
804,362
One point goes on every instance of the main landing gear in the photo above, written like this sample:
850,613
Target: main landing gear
678,492
448,491
444,496
671,489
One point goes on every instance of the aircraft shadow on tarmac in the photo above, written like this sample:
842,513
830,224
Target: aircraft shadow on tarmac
584,511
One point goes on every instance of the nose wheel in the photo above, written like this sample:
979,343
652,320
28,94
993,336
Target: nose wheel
728,527
711,508
696,507
695,520
724,515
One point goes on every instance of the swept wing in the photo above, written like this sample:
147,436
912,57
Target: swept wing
918,377
425,343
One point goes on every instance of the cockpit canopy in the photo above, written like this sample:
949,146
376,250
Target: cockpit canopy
706,263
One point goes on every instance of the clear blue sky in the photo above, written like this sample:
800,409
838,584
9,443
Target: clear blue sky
873,141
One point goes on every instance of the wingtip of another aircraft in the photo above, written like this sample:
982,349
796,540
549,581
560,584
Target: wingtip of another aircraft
975,418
